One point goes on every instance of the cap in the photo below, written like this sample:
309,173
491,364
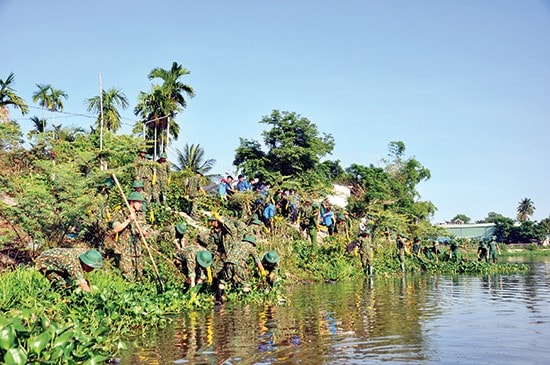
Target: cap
135,196
250,239
92,258
137,184
204,258
271,257
181,228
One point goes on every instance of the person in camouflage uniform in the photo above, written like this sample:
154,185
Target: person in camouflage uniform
144,173
309,217
163,177
235,269
138,186
221,237
194,190
127,244
65,267
400,245
493,250
270,262
365,251
194,262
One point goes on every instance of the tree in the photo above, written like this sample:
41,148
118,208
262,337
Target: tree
9,97
294,147
462,218
192,159
158,108
112,100
49,98
526,208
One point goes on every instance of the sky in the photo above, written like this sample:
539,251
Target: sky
464,84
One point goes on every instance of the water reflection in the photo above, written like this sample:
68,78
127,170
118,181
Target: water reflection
418,319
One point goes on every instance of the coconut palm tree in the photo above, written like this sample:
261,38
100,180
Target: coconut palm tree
50,98
526,208
192,159
112,100
9,97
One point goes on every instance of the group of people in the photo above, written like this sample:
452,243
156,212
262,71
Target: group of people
222,254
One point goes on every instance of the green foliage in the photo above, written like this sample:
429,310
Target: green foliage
462,217
294,147
10,136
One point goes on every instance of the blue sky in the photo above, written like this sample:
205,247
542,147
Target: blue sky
465,84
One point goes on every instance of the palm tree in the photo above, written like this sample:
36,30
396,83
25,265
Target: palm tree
158,108
9,97
112,100
526,208
173,87
192,159
67,134
39,125
49,98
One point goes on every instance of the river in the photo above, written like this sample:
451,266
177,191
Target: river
420,319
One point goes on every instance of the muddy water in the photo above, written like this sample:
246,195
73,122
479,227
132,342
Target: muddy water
497,319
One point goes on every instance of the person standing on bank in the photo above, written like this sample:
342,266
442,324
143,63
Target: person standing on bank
128,248
493,249
65,267
400,243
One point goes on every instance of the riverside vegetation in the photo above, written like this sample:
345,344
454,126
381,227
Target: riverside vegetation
50,199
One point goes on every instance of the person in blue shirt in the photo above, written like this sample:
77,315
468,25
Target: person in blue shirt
268,214
326,218
225,187
243,185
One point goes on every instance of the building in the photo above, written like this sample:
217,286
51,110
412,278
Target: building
477,230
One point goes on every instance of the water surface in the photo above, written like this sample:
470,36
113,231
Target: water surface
494,319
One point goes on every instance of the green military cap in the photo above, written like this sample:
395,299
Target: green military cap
108,182
256,221
250,239
148,156
92,258
271,257
135,196
142,150
137,184
315,205
163,155
204,258
181,228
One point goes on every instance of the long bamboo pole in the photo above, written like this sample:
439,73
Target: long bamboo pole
138,227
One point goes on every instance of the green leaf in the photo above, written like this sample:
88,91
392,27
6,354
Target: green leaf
39,343
7,337
97,359
15,356
63,339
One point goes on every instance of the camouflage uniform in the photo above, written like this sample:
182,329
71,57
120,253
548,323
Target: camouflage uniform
493,247
127,247
235,269
163,174
366,253
219,242
188,258
145,174
62,266
309,217
400,243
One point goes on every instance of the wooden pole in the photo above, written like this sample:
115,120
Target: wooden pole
138,227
